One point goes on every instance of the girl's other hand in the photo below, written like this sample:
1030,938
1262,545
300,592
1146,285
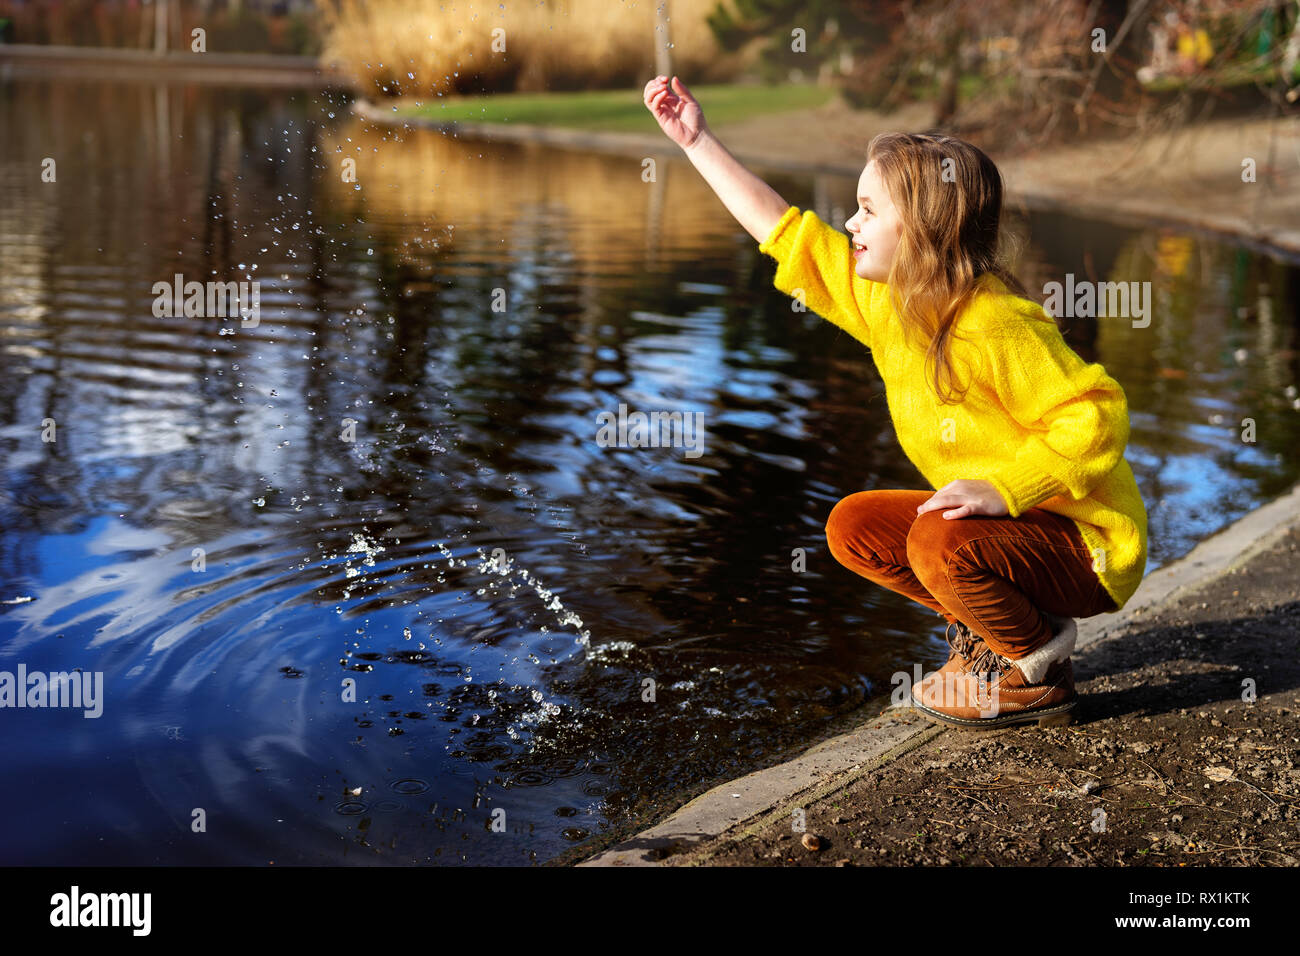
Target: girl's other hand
678,113
966,497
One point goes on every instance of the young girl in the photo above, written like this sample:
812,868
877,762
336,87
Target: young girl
1036,517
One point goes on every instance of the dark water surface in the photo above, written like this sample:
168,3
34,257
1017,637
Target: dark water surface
470,309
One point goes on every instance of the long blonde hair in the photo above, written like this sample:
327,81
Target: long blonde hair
948,194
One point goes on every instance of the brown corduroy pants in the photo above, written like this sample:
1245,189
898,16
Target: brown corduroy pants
996,575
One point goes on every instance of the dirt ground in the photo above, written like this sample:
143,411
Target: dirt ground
1165,765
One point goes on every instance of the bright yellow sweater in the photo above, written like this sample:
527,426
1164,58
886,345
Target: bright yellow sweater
1046,429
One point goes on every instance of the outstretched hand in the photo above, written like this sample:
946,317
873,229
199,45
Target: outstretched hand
677,111
966,497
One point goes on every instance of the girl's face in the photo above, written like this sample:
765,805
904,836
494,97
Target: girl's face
874,229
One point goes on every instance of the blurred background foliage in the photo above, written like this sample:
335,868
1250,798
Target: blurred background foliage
1056,67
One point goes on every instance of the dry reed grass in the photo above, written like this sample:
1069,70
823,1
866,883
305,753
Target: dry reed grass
422,48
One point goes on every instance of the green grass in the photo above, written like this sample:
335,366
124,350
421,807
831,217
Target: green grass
615,110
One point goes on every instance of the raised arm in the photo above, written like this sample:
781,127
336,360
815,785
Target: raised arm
755,204
815,261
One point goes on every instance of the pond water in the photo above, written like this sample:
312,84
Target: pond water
362,583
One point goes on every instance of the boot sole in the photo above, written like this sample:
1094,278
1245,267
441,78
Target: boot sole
1059,716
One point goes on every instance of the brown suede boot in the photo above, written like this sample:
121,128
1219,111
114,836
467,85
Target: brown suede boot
992,691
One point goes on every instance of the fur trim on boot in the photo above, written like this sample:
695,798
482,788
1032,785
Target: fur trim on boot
1034,665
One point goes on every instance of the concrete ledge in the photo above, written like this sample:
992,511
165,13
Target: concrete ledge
751,800
243,69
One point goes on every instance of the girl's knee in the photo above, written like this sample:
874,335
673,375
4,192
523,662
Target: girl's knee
845,519
931,543
853,534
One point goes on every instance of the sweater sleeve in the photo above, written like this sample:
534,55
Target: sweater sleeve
1076,414
815,264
